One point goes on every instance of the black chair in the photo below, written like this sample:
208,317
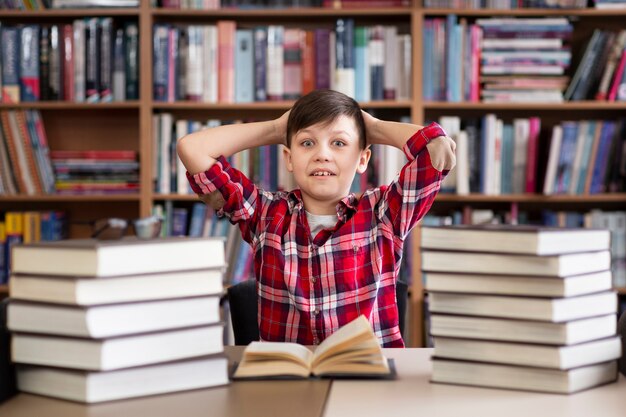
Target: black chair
242,298
7,370
621,331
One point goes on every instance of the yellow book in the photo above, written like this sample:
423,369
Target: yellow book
32,226
14,223
352,351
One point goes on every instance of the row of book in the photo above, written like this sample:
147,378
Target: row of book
90,60
202,221
169,172
65,4
521,307
139,320
505,4
95,172
272,4
615,221
519,60
494,157
27,227
25,166
223,63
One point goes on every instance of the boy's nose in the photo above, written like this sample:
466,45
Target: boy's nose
323,154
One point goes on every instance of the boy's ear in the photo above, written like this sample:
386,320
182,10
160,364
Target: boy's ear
364,158
287,157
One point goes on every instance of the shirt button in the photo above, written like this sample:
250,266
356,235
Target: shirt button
355,248
313,280
317,311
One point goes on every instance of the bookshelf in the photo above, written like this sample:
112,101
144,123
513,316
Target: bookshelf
128,125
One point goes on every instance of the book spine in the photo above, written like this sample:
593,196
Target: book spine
160,68
361,64
275,63
80,86
377,62
531,161
119,71
106,56
244,66
322,57
131,46
10,64
226,38
292,61
92,44
260,63
194,63
308,61
68,62
29,63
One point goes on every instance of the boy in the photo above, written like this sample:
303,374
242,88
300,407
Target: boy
322,256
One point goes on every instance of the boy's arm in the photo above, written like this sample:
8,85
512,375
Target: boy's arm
198,151
396,134
430,156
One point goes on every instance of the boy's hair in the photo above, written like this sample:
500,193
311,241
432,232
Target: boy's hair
324,106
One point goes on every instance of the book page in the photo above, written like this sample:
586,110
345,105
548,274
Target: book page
342,338
257,351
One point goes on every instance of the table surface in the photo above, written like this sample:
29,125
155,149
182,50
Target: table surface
411,394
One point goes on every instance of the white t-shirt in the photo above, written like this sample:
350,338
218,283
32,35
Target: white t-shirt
317,222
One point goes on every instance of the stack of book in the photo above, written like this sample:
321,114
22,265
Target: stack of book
521,307
95,321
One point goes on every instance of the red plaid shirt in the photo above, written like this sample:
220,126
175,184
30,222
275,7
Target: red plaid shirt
309,286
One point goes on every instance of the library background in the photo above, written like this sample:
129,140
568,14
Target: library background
93,99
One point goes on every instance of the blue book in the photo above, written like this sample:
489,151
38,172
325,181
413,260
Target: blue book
566,158
428,61
585,161
179,221
244,66
10,64
602,157
451,21
361,64
196,225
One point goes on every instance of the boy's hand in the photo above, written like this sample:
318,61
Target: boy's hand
280,127
442,153
370,128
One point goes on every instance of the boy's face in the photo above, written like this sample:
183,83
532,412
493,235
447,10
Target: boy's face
324,159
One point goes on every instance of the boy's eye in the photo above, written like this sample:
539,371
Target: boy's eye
339,143
307,143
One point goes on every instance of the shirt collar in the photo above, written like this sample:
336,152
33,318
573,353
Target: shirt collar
346,205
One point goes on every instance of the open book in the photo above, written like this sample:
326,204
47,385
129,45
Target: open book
352,351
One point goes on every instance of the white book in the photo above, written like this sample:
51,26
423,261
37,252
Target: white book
526,354
405,62
94,387
525,308
525,331
553,160
521,43
489,154
88,291
182,185
107,258
194,68
115,319
117,352
523,378
275,62
462,164
503,69
210,57
166,132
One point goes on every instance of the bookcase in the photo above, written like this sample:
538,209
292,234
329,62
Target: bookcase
128,125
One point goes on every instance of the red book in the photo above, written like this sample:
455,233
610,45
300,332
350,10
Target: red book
531,160
308,62
226,49
68,62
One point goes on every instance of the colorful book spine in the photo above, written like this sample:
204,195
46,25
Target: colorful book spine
10,64
105,85
131,43
260,63
226,38
292,61
244,66
29,63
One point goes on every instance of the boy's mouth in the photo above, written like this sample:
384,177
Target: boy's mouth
322,173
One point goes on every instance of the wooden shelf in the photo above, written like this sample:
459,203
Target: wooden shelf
175,197
4,289
66,105
532,198
86,12
296,12
67,198
565,106
267,105
621,290
526,12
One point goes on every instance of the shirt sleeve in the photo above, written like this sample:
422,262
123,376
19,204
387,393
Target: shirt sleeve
243,200
409,197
